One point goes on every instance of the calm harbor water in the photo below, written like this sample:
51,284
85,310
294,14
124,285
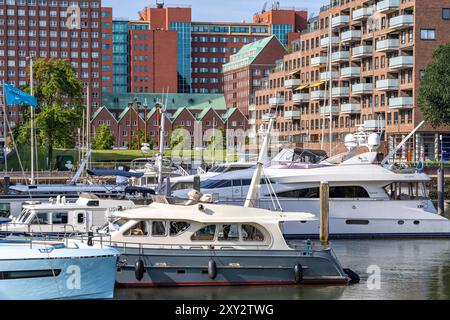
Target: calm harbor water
409,269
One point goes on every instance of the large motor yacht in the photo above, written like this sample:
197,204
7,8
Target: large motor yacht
188,243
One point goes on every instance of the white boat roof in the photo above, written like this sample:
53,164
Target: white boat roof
212,213
339,173
64,188
21,249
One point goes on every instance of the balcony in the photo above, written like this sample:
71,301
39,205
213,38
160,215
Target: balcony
340,56
388,45
276,101
299,98
340,21
325,76
362,14
401,62
266,116
292,114
317,95
374,124
362,51
318,61
350,72
362,88
351,35
325,42
387,84
401,22
339,92
388,6
350,108
326,110
292,83
401,103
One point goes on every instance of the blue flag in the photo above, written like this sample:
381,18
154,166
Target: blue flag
15,96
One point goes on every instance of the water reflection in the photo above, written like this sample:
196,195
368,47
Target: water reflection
410,269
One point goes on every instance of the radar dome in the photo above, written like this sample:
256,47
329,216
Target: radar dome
374,140
350,141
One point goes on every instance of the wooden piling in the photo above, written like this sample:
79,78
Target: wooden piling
324,212
197,183
441,191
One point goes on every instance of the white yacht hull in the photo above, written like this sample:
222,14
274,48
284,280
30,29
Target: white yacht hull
364,218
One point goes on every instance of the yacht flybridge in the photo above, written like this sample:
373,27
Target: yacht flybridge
188,243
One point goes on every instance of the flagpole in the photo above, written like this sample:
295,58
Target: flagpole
32,123
5,119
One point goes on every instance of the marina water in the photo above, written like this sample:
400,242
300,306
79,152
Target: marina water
408,269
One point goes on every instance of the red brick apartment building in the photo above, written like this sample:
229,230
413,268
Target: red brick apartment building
44,29
189,111
379,50
244,73
203,47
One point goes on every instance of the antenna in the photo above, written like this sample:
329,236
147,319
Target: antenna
264,7
160,3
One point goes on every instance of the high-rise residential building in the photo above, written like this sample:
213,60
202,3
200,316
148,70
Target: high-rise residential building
244,73
359,64
69,30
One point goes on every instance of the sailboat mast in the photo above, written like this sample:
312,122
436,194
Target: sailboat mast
5,132
32,180
162,109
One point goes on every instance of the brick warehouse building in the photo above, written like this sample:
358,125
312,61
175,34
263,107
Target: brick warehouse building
203,47
379,52
244,73
38,29
186,111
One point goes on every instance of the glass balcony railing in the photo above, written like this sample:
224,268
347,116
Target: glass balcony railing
351,72
276,101
387,84
401,103
388,45
350,108
362,51
291,83
340,56
325,42
351,35
340,21
402,21
326,110
362,14
401,62
318,94
300,97
386,6
318,61
292,114
374,124
339,92
362,88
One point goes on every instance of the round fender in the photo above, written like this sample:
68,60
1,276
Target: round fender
139,269
212,269
298,273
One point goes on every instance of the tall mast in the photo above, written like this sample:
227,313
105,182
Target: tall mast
32,181
5,132
162,109
88,120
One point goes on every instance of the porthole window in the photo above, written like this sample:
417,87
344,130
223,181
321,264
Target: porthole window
400,222
416,222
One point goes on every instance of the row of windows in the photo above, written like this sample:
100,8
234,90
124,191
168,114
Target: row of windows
51,3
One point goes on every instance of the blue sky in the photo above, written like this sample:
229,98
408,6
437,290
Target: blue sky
211,10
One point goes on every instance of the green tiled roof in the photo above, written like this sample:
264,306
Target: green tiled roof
124,112
178,112
204,113
174,100
228,114
247,54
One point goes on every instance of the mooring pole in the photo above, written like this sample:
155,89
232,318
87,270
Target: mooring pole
197,183
324,212
441,182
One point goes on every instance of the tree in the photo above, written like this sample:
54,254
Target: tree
134,142
58,92
103,139
55,82
434,91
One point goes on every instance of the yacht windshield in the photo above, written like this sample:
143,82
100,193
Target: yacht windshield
24,215
217,169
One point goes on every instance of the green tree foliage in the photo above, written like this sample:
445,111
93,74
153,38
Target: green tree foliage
135,143
58,116
103,139
55,83
434,91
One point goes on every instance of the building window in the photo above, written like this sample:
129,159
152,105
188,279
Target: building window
427,34
446,13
